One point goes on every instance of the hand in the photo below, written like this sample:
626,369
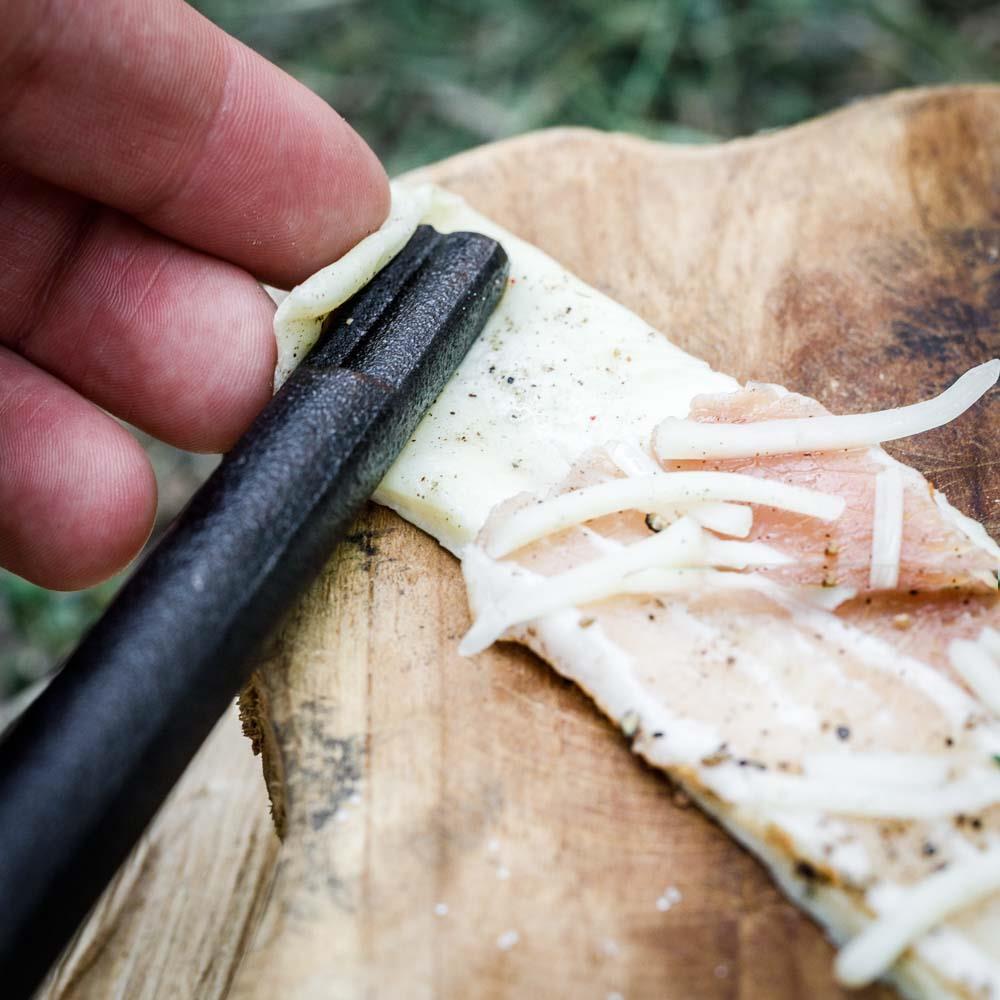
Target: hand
151,167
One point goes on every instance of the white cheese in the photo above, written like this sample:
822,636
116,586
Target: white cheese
692,581
916,911
956,957
603,669
972,530
719,516
301,312
977,789
881,767
979,666
682,544
690,439
887,528
723,518
651,493
989,639
559,369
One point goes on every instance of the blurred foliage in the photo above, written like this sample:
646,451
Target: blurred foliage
421,79
38,628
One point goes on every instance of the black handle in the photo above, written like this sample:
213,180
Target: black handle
86,767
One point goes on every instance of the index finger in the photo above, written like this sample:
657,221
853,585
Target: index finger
148,107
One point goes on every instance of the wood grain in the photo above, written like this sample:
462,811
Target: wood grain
179,915
492,787
855,258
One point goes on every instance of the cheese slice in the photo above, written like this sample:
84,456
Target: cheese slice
558,369
562,372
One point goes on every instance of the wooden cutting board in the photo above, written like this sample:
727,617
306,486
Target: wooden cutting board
475,828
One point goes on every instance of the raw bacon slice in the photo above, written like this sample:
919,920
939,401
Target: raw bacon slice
837,739
935,552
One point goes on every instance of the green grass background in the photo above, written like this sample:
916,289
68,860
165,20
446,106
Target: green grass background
421,80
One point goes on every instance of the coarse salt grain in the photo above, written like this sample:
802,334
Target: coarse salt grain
671,896
507,940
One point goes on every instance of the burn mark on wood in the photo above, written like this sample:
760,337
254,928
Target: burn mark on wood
916,314
364,542
956,315
947,160
334,767
888,303
343,759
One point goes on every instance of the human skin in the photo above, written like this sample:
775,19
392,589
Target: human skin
152,168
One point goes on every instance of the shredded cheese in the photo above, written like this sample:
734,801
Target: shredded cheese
889,767
682,544
720,552
687,581
887,529
630,458
916,910
972,530
691,439
977,789
654,492
733,519
989,638
979,666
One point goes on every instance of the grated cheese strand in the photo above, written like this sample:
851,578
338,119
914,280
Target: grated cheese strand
733,519
979,667
687,581
682,544
675,438
849,795
918,909
887,529
989,639
654,492
878,766
742,555
630,458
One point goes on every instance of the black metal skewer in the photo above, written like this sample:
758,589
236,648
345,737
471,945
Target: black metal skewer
86,767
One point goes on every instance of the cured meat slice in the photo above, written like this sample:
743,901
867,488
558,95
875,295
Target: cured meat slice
834,731
935,551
